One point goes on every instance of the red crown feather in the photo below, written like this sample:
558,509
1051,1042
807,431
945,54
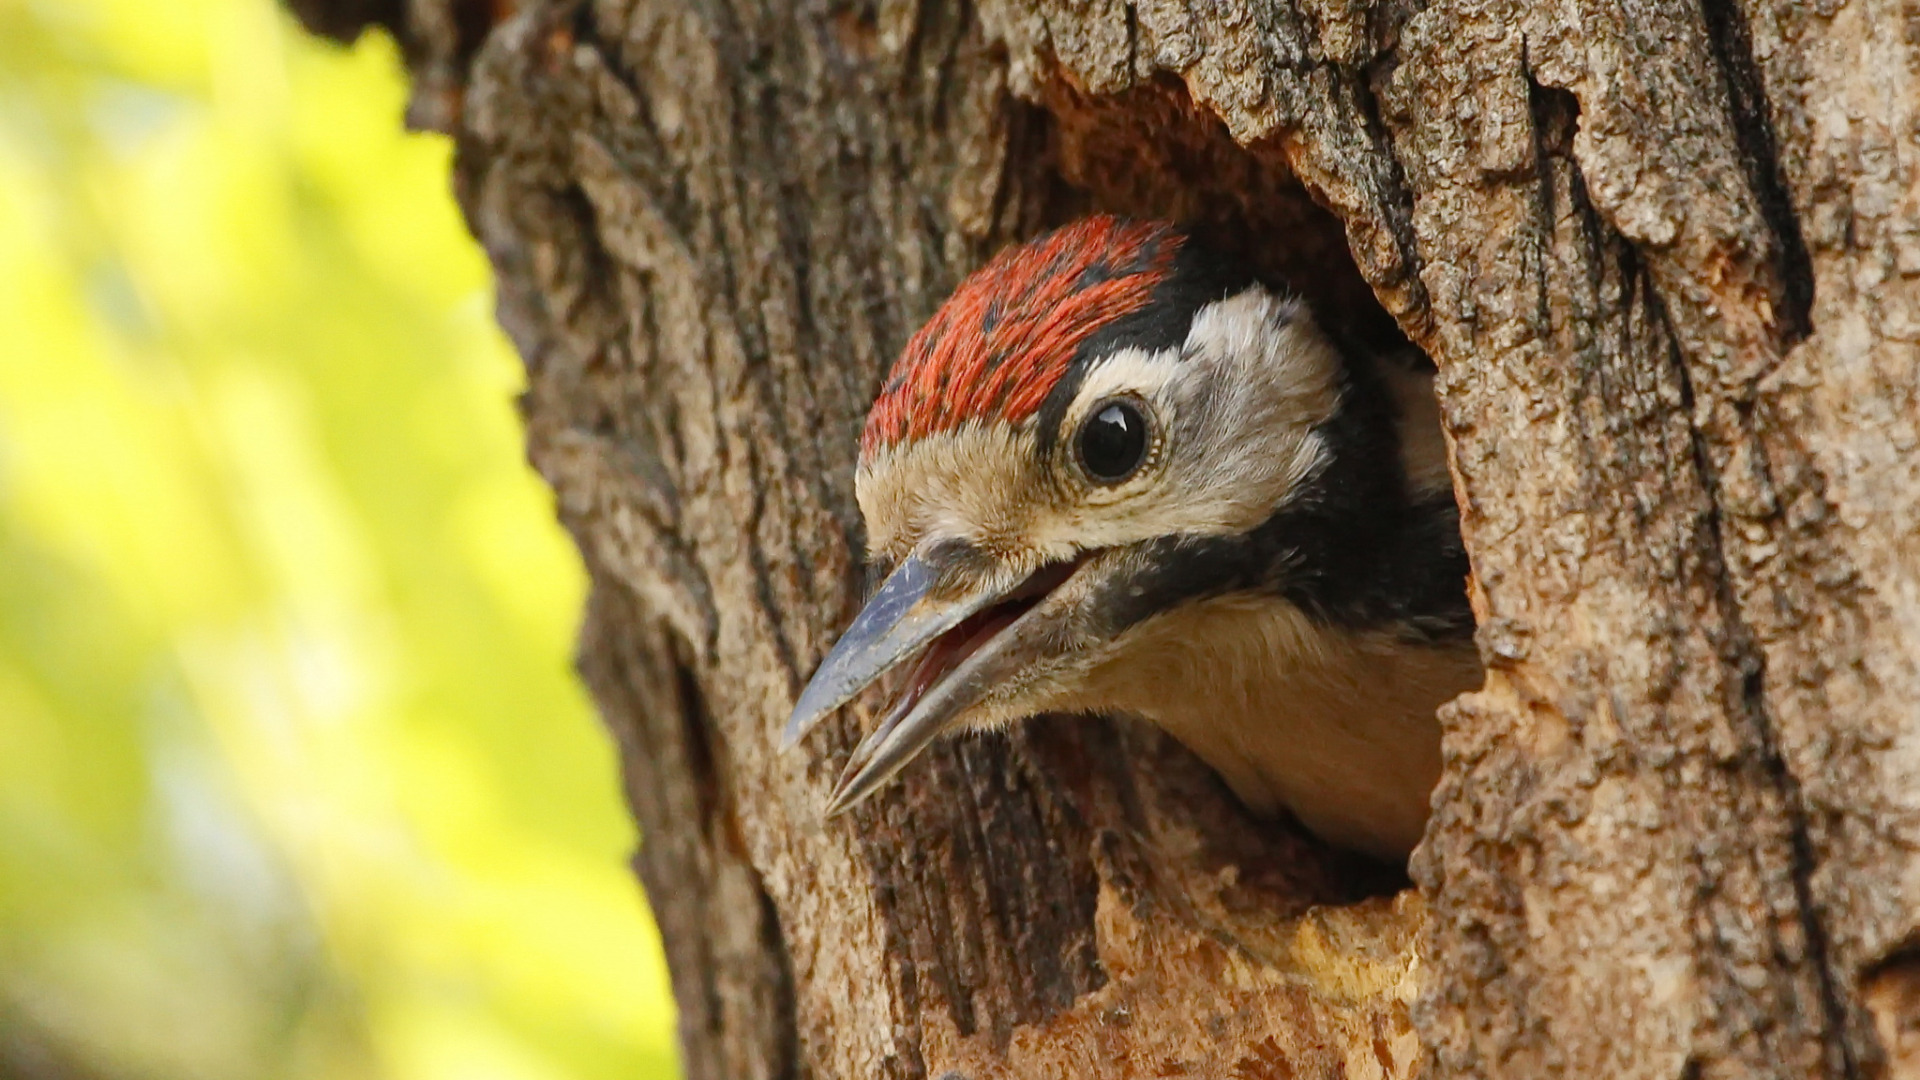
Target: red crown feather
1004,339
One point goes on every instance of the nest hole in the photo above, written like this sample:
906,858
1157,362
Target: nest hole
1152,152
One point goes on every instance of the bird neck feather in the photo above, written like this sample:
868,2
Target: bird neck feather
1336,725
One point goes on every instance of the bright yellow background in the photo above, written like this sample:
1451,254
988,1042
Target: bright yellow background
295,779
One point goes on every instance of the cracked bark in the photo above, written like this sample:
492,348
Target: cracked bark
1667,259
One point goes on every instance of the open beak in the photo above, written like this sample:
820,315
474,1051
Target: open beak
971,631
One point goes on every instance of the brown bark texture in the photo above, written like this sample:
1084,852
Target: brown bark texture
1666,256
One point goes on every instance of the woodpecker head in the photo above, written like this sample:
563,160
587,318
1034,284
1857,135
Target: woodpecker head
1101,427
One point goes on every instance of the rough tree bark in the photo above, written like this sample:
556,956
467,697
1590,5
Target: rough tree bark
1666,255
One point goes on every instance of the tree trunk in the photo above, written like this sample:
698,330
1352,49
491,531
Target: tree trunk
1667,259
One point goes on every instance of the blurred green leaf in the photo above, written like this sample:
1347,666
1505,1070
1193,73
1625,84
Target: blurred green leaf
295,780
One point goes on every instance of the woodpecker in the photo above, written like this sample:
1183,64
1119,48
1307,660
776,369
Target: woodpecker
1119,473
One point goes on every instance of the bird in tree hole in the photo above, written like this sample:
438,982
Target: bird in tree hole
1120,473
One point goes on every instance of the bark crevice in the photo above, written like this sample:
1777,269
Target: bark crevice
1748,660
1750,116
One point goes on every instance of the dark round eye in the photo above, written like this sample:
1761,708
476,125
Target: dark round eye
1112,442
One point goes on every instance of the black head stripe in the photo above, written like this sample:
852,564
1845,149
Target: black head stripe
1407,576
1365,554
1198,278
1176,570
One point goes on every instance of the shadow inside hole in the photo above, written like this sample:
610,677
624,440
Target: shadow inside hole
1151,152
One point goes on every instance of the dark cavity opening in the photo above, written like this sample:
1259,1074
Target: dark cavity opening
1151,152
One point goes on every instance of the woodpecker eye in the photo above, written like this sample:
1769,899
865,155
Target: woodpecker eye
1112,442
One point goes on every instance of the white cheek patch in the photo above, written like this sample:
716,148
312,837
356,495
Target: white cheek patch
1235,409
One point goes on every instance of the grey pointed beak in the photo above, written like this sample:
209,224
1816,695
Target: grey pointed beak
1007,649
1012,654
913,607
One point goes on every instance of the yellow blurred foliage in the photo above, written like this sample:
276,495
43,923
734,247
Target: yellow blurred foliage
295,779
